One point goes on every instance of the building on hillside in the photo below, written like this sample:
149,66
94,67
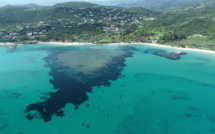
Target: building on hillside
198,35
29,34
13,34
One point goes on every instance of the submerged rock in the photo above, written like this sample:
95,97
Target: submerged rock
3,124
172,56
12,48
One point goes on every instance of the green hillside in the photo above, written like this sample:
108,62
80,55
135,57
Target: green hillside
76,22
189,26
18,15
143,11
71,10
159,5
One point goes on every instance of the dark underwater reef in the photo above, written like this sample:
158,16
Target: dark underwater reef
71,90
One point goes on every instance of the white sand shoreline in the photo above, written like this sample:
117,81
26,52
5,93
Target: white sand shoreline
7,44
180,48
112,44
65,43
134,43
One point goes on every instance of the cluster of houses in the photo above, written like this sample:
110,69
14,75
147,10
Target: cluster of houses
12,35
113,19
197,35
112,29
34,35
28,31
108,16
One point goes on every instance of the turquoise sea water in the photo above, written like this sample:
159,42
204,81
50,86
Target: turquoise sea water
132,91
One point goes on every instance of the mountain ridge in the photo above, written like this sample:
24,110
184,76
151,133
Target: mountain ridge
160,5
30,5
76,5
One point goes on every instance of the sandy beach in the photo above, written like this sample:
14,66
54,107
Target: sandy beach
121,43
164,46
112,44
179,48
7,44
65,43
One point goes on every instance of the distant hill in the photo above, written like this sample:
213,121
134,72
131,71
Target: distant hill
158,5
76,5
142,11
18,15
30,5
206,6
202,10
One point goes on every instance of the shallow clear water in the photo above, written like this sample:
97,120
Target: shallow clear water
137,92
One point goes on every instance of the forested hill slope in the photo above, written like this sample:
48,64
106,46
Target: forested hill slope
18,15
201,10
191,26
158,5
